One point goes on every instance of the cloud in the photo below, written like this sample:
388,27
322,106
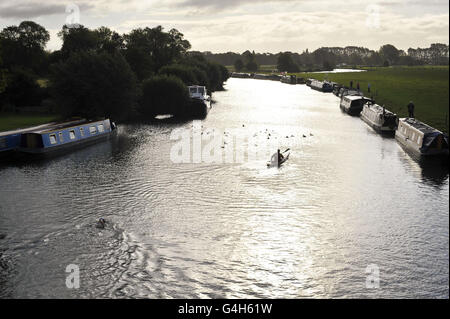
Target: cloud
262,25
29,10
33,9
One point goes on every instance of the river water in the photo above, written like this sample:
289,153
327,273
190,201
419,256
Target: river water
349,211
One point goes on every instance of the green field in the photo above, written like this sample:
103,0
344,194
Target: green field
10,121
394,87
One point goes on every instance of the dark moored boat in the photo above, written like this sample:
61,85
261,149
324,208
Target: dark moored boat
65,137
241,75
200,101
380,119
289,79
324,86
421,139
346,91
353,104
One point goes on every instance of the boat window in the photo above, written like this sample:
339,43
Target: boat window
82,131
192,90
72,134
61,138
93,130
101,128
419,141
53,139
201,90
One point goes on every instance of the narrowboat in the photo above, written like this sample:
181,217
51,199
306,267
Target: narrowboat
241,75
308,82
64,137
421,139
380,119
10,140
321,86
346,91
301,81
200,101
337,89
289,79
353,104
257,76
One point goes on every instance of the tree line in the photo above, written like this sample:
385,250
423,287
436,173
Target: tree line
327,58
100,73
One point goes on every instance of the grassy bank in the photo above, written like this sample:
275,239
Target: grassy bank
10,121
394,87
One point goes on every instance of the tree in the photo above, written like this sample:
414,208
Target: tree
252,66
389,53
149,49
2,75
92,85
23,45
238,65
77,39
328,66
162,95
285,63
184,72
22,88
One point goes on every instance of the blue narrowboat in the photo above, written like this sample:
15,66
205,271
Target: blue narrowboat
10,140
65,137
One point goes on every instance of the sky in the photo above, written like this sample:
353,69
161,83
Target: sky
260,25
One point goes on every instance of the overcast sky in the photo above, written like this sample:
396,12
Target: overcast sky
260,25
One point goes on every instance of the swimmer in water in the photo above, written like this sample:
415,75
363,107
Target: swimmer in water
101,223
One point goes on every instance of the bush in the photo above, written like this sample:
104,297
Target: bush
252,66
94,85
164,94
22,88
183,72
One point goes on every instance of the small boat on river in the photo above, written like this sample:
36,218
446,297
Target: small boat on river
200,101
275,162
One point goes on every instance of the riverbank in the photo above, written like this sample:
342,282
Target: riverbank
394,87
11,121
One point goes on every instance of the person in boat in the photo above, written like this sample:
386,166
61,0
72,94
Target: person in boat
411,109
280,156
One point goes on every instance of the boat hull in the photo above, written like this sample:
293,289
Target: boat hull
416,151
64,148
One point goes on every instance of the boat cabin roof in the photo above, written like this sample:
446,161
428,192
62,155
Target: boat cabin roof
196,87
379,108
26,130
424,128
66,125
355,97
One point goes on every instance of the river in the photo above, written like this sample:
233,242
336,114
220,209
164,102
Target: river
348,205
